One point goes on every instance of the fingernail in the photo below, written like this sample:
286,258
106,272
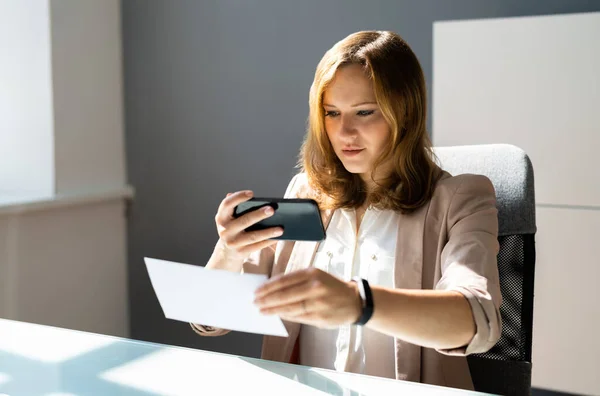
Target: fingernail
248,193
278,232
269,210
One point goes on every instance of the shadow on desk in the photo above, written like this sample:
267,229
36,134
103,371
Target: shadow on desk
78,375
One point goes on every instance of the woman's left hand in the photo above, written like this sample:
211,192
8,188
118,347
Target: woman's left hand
311,297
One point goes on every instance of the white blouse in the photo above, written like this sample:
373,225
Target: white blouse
370,254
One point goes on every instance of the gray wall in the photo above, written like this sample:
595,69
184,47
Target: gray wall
216,100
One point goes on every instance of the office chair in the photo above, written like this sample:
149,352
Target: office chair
506,368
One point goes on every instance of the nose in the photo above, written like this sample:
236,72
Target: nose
347,126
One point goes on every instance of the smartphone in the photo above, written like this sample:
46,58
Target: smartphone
299,218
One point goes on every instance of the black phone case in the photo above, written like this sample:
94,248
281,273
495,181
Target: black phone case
299,218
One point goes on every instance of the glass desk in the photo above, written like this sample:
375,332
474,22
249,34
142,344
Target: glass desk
42,360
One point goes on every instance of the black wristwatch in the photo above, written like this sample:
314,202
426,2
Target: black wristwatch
367,300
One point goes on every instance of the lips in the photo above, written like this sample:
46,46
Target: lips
350,152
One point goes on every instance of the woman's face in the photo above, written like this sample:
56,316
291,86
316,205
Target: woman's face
355,126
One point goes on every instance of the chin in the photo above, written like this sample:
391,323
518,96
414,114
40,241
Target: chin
355,169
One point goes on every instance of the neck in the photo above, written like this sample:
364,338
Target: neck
372,178
370,188
370,182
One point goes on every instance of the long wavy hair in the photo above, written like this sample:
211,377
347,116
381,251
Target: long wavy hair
401,94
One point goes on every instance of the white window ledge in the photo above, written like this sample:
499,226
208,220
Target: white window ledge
11,203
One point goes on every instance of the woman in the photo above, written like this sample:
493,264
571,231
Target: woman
422,242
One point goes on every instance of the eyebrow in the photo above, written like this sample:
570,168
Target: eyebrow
354,105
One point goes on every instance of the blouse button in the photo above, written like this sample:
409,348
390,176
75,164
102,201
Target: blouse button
374,257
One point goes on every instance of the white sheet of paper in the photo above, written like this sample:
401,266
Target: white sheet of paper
216,298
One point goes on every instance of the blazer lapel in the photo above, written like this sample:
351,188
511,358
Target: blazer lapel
408,275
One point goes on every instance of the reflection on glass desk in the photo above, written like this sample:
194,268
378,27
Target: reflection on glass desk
42,360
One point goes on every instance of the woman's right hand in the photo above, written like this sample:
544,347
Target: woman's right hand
236,242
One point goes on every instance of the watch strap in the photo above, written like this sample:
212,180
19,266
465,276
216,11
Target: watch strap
367,301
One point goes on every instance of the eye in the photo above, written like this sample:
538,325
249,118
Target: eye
364,113
331,113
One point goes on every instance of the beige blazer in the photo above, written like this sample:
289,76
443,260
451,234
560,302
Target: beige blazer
451,243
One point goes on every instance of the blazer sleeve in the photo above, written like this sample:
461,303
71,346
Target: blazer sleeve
259,262
469,260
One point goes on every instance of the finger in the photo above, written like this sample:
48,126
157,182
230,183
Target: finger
294,295
242,239
240,224
312,319
289,310
283,281
247,250
231,201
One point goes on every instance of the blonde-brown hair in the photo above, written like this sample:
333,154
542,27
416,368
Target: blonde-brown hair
401,95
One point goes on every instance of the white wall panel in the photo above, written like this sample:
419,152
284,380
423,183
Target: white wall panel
532,82
88,99
566,321
26,134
